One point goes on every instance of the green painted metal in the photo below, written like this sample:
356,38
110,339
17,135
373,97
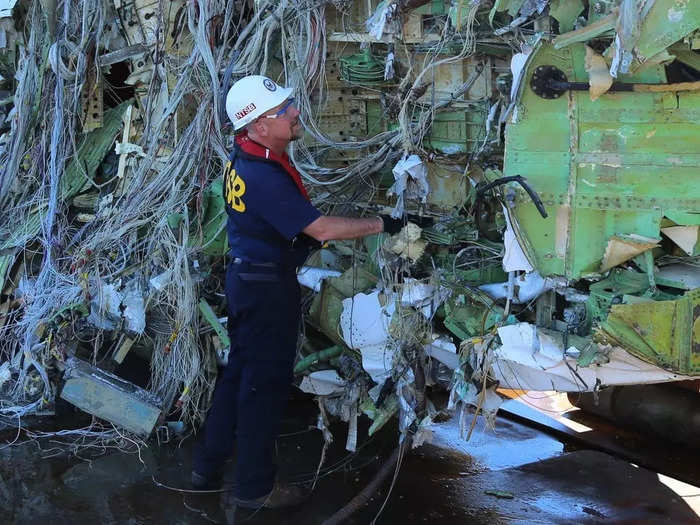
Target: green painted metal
491,273
616,288
616,165
472,314
601,26
688,57
665,333
379,416
434,7
211,318
318,357
79,171
460,131
565,12
6,262
353,281
209,232
362,68
376,120
667,22
327,306
214,240
512,6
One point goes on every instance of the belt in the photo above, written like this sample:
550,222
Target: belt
260,271
249,264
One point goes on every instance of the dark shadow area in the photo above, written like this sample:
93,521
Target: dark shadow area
116,89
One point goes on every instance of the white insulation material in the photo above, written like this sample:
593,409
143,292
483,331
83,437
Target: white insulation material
411,183
312,277
529,286
364,326
514,259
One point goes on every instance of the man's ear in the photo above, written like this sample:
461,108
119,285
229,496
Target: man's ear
260,128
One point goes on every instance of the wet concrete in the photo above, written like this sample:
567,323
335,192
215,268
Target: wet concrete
515,475
553,413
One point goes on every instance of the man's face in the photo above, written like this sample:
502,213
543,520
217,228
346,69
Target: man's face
286,124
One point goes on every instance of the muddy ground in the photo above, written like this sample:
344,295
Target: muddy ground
513,474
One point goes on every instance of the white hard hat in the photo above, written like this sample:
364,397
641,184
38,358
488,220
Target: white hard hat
252,96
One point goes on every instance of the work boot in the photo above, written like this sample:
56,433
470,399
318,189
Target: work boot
202,482
282,495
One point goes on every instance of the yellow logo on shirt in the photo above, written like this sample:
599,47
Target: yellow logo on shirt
235,188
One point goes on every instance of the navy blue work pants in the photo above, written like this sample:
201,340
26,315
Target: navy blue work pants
253,389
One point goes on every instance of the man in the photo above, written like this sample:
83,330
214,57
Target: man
269,214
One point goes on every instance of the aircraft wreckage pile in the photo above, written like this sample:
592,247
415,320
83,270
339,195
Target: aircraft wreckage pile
543,155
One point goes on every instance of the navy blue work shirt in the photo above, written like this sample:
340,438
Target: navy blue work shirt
266,211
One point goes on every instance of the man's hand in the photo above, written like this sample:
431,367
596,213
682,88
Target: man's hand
391,225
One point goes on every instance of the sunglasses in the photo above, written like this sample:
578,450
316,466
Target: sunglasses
282,110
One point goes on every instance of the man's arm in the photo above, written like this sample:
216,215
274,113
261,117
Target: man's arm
328,227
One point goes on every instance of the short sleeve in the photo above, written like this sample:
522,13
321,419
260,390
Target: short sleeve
281,204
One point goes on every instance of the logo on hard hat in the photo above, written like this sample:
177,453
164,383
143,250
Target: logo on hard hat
242,113
269,84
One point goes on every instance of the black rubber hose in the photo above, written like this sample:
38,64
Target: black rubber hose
363,497
520,180
480,190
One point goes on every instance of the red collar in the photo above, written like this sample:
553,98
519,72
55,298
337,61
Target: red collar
251,147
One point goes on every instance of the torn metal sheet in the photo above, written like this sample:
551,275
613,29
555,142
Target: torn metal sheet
444,351
158,282
411,182
120,55
422,296
531,358
588,32
381,21
5,373
686,237
622,248
109,397
566,12
685,274
322,383
514,259
134,308
666,22
105,308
